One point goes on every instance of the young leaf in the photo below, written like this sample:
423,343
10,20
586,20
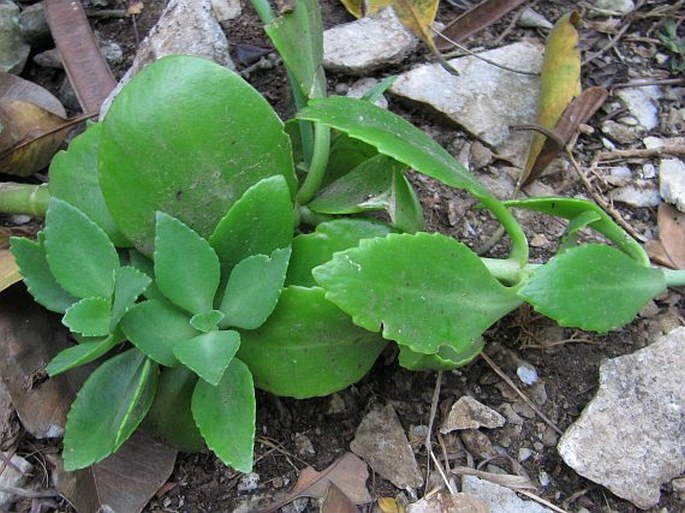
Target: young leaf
90,317
129,284
580,222
74,179
208,355
39,280
155,327
316,248
154,155
80,255
253,289
187,269
206,321
225,415
404,206
258,223
82,353
147,267
422,290
592,287
346,154
308,347
108,408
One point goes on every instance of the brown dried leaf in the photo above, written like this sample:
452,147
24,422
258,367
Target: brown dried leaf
16,88
9,270
671,222
337,502
474,20
657,254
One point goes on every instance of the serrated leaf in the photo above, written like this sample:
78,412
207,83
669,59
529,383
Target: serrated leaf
82,354
90,317
313,249
39,280
129,284
253,289
187,269
147,267
592,287
155,327
74,179
308,347
257,224
208,355
404,207
225,415
154,155
206,321
108,408
80,255
445,359
422,290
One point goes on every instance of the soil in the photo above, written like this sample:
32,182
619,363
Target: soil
566,360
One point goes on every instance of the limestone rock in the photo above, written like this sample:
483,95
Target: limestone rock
226,10
672,182
499,498
468,413
630,437
532,19
13,476
367,44
645,195
13,49
643,104
615,6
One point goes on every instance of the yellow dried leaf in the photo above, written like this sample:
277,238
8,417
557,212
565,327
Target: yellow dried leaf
354,7
9,270
390,505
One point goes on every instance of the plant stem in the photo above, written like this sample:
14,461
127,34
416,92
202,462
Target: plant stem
311,218
519,243
20,198
675,278
320,152
264,11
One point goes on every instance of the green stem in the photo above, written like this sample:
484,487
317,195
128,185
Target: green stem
19,198
264,11
674,278
306,216
320,152
519,243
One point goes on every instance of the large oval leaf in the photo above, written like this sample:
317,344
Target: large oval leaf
423,290
592,287
208,355
187,137
308,347
108,408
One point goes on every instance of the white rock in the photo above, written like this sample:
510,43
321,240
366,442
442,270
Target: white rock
630,437
468,413
367,44
645,196
248,482
532,19
13,476
499,499
226,10
444,502
527,374
484,99
615,6
643,103
523,454
620,175
672,182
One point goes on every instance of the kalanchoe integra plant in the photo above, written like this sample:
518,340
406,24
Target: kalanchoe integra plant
199,247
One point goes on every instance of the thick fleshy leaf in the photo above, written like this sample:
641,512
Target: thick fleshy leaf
170,416
146,266
346,154
445,359
74,179
308,347
316,248
80,255
108,408
39,280
90,317
155,327
154,155
253,289
592,287
187,269
129,284
81,354
257,224
206,321
225,415
404,206
209,354
580,222
423,290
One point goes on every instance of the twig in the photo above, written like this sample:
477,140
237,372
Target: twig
442,473
677,150
613,42
523,396
542,501
431,421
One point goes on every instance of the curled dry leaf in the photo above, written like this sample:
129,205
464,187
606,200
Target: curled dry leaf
337,502
669,249
9,270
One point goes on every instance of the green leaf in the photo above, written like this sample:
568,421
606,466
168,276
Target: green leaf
316,248
592,287
155,327
80,255
90,317
225,415
146,266
580,222
253,289
207,321
345,155
308,347
170,416
82,354
74,179
108,408
445,359
209,354
187,269
423,290
129,284
188,137
404,206
30,257
258,223
392,136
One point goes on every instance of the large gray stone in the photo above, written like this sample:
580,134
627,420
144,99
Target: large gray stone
672,182
499,499
367,44
13,49
468,413
34,27
630,437
484,99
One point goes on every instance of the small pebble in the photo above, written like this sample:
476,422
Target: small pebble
544,478
248,483
527,374
20,219
304,445
524,454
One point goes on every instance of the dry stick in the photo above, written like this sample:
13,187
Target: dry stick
431,420
677,150
523,396
542,501
650,82
442,473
